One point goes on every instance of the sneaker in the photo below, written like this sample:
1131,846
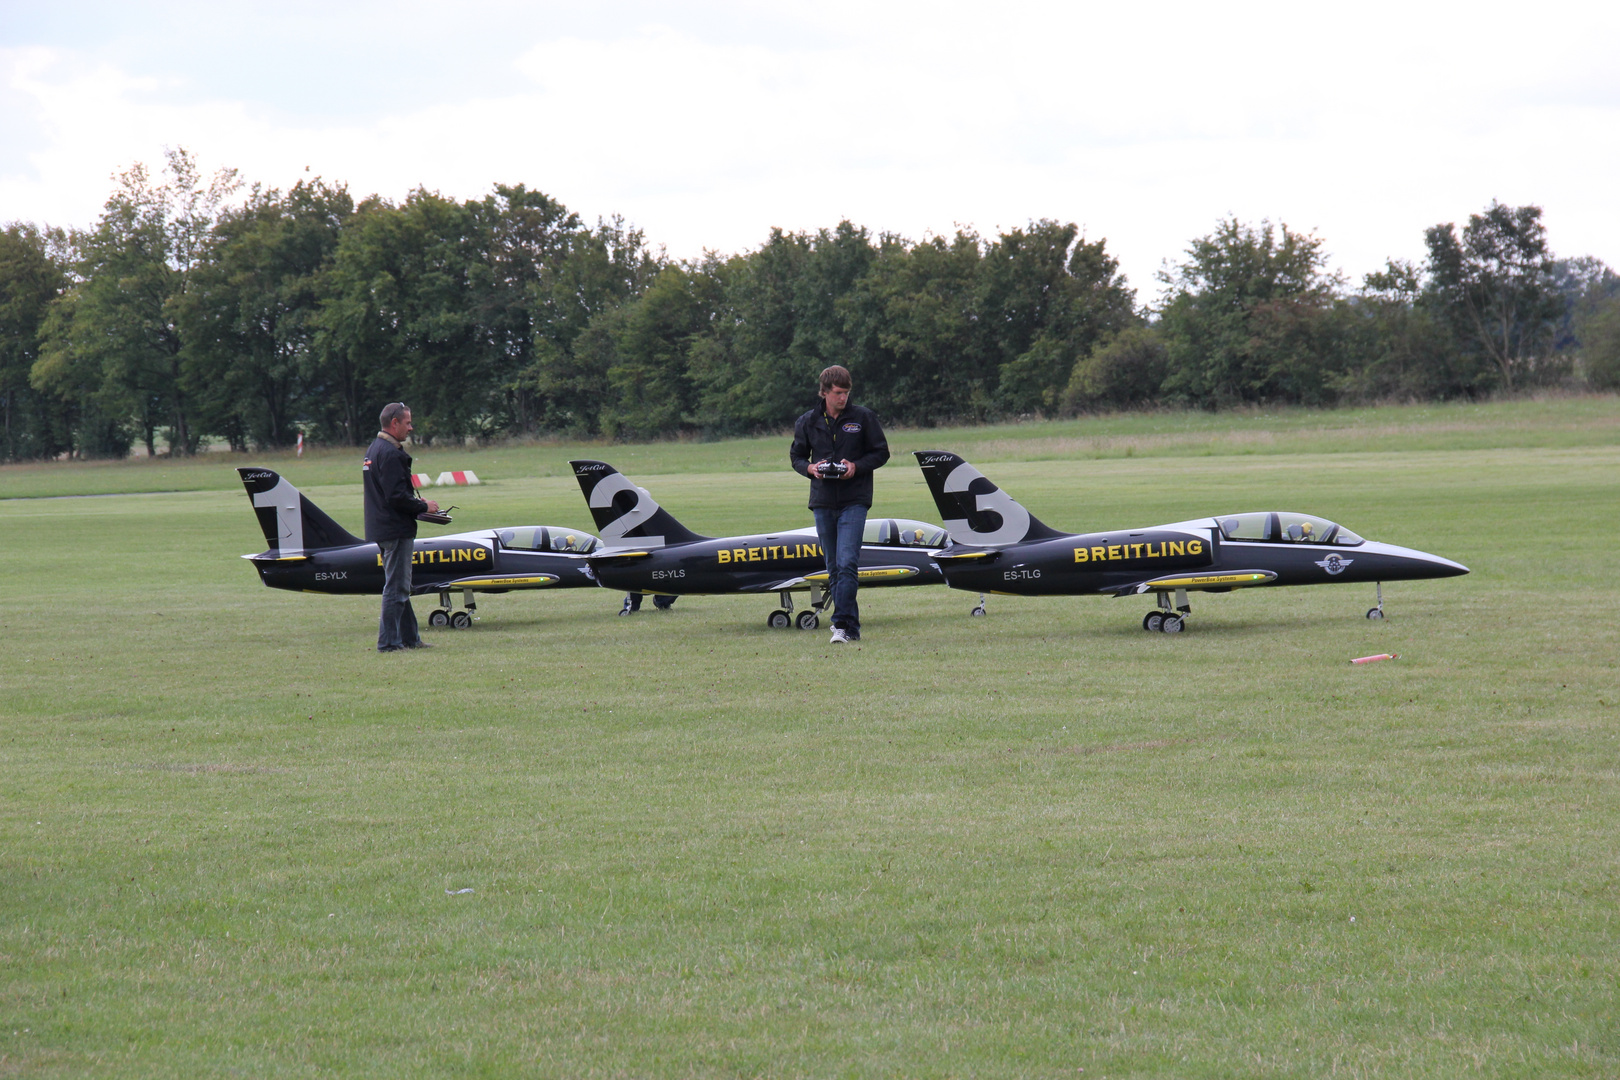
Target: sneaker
839,637
419,645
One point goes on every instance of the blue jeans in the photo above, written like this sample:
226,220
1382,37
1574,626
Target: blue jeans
397,627
840,534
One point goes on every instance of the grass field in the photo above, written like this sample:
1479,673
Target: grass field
236,841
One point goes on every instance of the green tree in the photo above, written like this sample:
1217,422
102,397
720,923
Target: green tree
916,307
136,266
1047,297
247,322
399,319
1124,370
1400,346
1494,285
530,235
600,269
782,320
648,344
1249,317
35,425
95,412
1599,331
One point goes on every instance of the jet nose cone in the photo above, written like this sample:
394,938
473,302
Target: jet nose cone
1397,563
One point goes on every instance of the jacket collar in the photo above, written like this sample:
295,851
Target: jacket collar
390,438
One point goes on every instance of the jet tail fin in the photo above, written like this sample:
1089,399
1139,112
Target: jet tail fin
291,523
625,514
977,512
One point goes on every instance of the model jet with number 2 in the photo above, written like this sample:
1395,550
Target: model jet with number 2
998,546
644,549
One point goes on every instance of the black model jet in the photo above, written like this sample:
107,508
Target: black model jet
998,546
644,549
309,552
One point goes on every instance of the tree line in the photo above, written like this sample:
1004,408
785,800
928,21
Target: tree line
197,310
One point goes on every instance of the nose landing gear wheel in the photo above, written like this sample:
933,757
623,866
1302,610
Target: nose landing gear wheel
439,618
977,611
1153,622
808,620
1171,624
1375,613
461,621
779,620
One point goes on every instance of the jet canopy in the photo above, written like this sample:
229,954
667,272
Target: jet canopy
903,532
1281,527
543,538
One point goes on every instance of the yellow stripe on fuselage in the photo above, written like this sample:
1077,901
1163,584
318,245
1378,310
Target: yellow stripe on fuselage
874,574
533,581
1194,581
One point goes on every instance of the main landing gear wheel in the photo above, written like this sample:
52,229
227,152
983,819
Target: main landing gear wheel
779,620
1153,622
807,620
460,620
1375,613
439,618
1171,624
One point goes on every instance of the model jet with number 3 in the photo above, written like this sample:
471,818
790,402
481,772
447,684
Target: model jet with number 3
644,549
998,546
309,552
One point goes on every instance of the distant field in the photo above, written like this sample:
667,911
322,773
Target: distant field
236,841
1592,420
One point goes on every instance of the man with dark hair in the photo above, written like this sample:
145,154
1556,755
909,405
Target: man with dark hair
838,446
391,509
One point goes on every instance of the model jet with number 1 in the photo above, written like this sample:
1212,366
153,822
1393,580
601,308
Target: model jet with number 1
309,552
998,546
644,549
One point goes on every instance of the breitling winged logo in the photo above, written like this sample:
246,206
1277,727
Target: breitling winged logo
1334,564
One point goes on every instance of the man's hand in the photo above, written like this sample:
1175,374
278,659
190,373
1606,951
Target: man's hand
849,468
433,507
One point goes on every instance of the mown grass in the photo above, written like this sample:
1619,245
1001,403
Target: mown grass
234,838
1555,422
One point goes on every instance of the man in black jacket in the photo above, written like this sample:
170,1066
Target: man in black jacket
391,509
838,446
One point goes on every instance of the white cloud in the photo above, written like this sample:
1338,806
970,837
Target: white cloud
715,122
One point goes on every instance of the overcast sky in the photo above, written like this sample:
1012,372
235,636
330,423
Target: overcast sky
706,124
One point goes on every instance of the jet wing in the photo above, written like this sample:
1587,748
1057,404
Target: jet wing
271,556
618,556
948,556
1220,581
866,574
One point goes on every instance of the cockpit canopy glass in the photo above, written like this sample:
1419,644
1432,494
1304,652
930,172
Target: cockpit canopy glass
1281,527
903,532
542,538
